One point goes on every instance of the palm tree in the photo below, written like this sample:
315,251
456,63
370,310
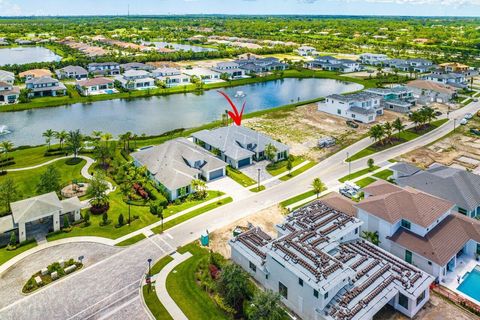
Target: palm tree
106,137
428,113
6,147
128,136
398,125
371,236
376,133
388,130
48,134
61,136
74,142
97,134
318,186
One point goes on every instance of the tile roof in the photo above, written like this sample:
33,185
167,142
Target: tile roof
340,203
459,186
94,82
34,208
444,241
168,162
36,73
410,204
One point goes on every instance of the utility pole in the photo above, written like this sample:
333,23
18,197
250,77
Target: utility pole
349,164
258,179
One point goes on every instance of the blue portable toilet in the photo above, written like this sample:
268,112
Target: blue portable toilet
204,239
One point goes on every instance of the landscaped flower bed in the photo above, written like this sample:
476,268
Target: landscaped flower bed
51,273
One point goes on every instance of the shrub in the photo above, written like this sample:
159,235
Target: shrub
66,223
86,218
97,210
13,239
104,219
120,220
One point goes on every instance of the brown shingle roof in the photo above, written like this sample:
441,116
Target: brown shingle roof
340,203
94,82
410,204
444,241
36,73
380,187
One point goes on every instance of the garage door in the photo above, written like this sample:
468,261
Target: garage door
244,162
216,174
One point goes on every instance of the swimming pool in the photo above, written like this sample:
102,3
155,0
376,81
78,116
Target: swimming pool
109,91
471,284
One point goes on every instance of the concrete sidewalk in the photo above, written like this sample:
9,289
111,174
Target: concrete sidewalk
161,286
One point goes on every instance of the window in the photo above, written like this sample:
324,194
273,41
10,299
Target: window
478,248
353,116
403,301
283,290
252,266
356,230
429,263
339,111
300,281
408,256
315,293
462,211
325,296
406,224
420,298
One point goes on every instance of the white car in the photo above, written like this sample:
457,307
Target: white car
468,116
463,121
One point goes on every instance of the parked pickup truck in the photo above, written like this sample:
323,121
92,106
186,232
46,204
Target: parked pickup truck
352,124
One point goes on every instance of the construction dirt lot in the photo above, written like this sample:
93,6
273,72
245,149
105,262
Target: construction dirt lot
460,149
302,127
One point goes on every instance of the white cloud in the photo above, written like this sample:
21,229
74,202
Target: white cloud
9,9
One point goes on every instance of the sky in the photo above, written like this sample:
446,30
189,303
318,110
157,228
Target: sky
301,7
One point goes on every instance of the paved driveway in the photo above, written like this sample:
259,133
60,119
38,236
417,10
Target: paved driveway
252,171
230,187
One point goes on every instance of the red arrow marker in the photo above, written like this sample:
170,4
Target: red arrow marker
236,117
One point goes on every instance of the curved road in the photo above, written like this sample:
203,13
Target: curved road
110,289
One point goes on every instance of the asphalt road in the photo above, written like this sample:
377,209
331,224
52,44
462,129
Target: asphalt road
110,288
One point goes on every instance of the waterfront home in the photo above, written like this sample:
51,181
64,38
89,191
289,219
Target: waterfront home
306,51
420,228
33,215
99,85
231,68
373,58
362,106
165,72
398,99
204,74
322,269
34,73
333,64
427,92
8,93
7,76
171,76
136,66
261,65
174,165
136,80
239,146
459,186
45,86
448,78
104,68
72,72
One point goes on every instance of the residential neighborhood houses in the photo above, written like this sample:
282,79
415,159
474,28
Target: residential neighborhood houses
239,146
174,165
362,106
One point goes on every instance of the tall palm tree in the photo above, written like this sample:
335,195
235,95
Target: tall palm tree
74,142
6,147
388,130
398,125
48,134
61,136
106,137
97,134
376,132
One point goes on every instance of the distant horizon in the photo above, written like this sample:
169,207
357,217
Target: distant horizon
374,8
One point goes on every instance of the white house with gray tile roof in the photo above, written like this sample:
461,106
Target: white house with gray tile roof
45,86
8,93
239,146
323,270
458,186
7,76
72,72
174,164
362,106
27,213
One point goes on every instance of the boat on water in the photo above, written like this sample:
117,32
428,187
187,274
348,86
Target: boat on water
240,94
4,130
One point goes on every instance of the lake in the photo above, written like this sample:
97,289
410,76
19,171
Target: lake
178,46
156,115
24,55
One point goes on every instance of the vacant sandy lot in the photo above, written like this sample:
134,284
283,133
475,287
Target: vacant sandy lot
302,127
266,219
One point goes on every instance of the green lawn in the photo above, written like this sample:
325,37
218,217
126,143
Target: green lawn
280,167
357,174
365,182
28,157
384,174
173,209
155,306
239,177
28,180
132,240
183,288
6,255
403,137
298,171
258,189
298,198
192,214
